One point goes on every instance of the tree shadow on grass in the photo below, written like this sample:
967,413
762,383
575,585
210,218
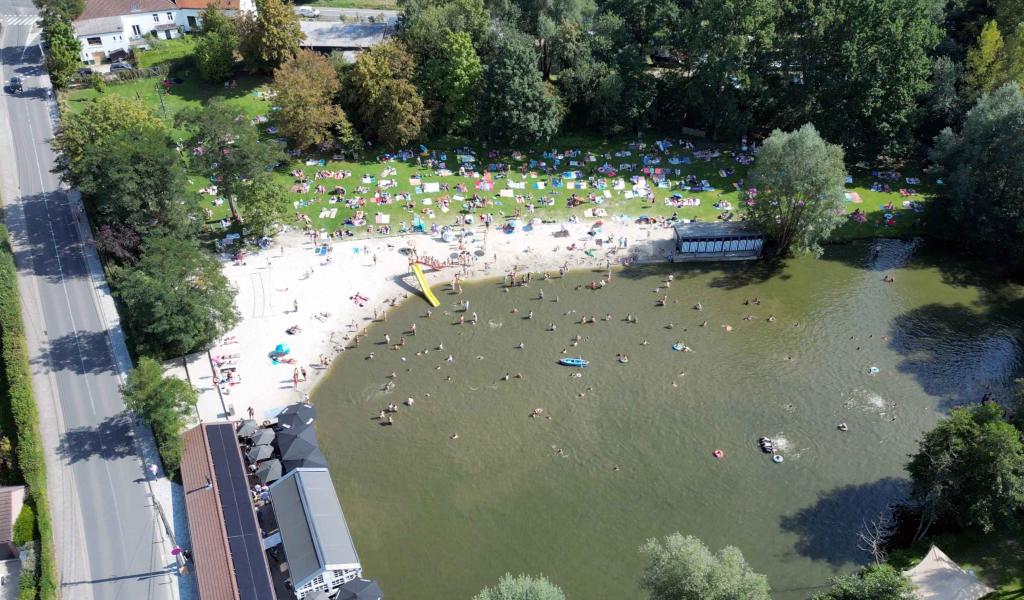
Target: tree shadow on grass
110,439
827,530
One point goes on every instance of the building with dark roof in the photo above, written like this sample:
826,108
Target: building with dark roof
717,240
348,38
227,548
313,533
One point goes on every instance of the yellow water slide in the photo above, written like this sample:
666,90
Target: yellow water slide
423,285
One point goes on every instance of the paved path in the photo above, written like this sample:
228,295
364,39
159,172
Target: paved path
110,543
362,14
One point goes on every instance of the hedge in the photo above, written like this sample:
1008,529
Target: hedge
17,405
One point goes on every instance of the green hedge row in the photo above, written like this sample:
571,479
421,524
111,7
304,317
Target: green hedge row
18,406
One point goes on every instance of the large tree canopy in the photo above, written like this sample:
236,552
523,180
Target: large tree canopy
799,179
682,568
450,80
135,178
176,298
306,85
270,36
387,102
62,50
161,402
969,469
80,131
516,106
982,199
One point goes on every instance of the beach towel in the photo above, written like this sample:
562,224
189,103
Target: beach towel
507,193
431,187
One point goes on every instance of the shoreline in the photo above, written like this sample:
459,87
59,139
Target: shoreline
334,297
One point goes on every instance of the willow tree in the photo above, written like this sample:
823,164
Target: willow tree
799,179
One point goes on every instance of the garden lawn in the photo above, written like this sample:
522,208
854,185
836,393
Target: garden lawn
248,96
165,51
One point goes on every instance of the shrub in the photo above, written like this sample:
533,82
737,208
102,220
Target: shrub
24,526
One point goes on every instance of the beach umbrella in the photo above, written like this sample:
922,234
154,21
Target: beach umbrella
296,416
360,589
248,428
296,445
262,437
269,471
315,460
258,453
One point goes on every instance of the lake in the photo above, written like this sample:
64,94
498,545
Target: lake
624,452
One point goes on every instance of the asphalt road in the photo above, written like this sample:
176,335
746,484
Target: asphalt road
335,14
109,545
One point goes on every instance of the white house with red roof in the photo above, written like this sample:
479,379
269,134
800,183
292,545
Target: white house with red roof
111,28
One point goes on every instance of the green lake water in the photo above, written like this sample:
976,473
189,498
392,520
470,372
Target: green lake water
574,496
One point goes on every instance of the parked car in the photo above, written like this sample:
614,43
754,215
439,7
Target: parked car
120,66
84,72
308,12
15,86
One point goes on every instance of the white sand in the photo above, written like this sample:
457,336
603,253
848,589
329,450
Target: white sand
269,283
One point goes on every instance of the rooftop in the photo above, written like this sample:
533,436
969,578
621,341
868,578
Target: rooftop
710,229
226,545
313,529
335,34
95,9
98,25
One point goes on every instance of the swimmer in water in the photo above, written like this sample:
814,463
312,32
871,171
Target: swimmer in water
521,345
771,318
698,306
529,315
644,343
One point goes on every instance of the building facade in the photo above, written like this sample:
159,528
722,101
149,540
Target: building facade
112,28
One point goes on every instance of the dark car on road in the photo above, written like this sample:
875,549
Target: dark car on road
120,66
15,86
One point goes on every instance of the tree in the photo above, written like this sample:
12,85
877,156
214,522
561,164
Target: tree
270,36
877,582
224,145
68,10
682,568
521,587
306,86
176,299
982,201
262,202
450,83
969,469
135,178
62,50
388,104
1017,406
214,20
119,242
162,403
985,70
515,105
799,179
215,55
864,63
425,24
81,131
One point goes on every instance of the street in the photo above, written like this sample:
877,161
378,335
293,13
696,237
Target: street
360,14
109,542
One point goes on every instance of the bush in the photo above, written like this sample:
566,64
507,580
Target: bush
24,526
97,83
18,404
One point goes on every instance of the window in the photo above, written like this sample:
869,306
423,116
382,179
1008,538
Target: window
170,17
156,18
94,41
136,30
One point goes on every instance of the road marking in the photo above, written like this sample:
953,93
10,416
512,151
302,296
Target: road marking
19,19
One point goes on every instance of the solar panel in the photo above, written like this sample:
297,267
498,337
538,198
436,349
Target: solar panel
244,541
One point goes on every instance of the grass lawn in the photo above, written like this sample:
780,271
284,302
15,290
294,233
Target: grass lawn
996,558
595,152
163,51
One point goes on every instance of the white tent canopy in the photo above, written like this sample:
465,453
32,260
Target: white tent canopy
937,577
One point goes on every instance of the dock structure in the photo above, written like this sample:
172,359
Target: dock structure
713,241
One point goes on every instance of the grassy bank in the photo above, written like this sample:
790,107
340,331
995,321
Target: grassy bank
725,174
20,420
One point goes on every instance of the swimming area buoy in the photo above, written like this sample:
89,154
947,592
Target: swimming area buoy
718,454
777,458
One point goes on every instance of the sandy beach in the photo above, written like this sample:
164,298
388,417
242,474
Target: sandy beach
333,297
